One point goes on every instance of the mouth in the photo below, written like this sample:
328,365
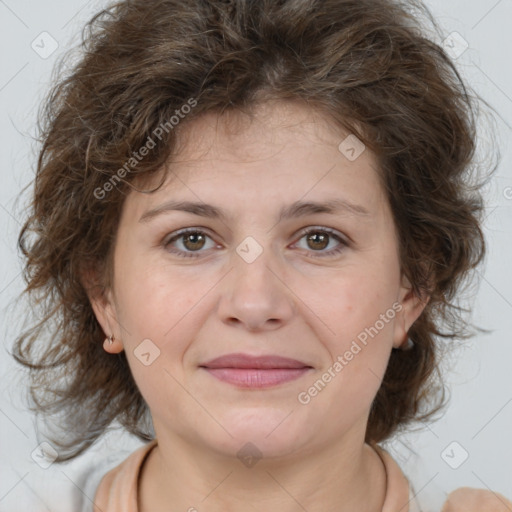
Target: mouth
247,371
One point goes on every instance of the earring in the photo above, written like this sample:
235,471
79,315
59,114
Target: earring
108,342
408,345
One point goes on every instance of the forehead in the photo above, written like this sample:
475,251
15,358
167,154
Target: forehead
257,133
282,149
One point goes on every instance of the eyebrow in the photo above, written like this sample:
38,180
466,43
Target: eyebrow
296,209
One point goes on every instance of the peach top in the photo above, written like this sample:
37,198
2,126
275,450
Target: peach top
117,491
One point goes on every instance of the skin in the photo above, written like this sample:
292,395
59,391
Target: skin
293,300
464,499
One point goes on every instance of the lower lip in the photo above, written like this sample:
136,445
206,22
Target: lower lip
257,378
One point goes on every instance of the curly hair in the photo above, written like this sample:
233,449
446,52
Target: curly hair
368,65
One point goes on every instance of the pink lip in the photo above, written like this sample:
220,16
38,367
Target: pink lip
255,372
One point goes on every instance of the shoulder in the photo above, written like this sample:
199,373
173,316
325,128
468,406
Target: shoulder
466,499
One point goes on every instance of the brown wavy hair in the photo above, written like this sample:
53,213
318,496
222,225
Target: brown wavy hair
368,65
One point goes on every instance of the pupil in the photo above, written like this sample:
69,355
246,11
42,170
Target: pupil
194,242
322,237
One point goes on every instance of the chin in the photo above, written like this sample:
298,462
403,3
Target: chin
266,432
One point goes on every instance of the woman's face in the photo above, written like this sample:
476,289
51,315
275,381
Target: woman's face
249,280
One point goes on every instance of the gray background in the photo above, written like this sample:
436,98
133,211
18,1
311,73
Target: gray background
479,417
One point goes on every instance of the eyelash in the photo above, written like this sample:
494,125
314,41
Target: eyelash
307,231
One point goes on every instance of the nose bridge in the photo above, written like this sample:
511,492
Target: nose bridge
253,261
254,293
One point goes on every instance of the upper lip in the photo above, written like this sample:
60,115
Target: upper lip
254,362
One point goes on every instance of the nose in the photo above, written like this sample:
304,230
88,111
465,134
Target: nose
255,294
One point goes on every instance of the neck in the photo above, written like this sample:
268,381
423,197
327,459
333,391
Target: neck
178,476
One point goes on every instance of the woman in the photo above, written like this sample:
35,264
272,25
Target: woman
264,210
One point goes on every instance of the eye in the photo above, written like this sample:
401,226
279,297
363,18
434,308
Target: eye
319,238
192,240
186,242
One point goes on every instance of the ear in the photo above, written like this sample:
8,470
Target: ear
103,305
412,307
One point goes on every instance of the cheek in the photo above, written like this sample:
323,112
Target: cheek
166,306
152,299
353,301
155,312
358,354
357,307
